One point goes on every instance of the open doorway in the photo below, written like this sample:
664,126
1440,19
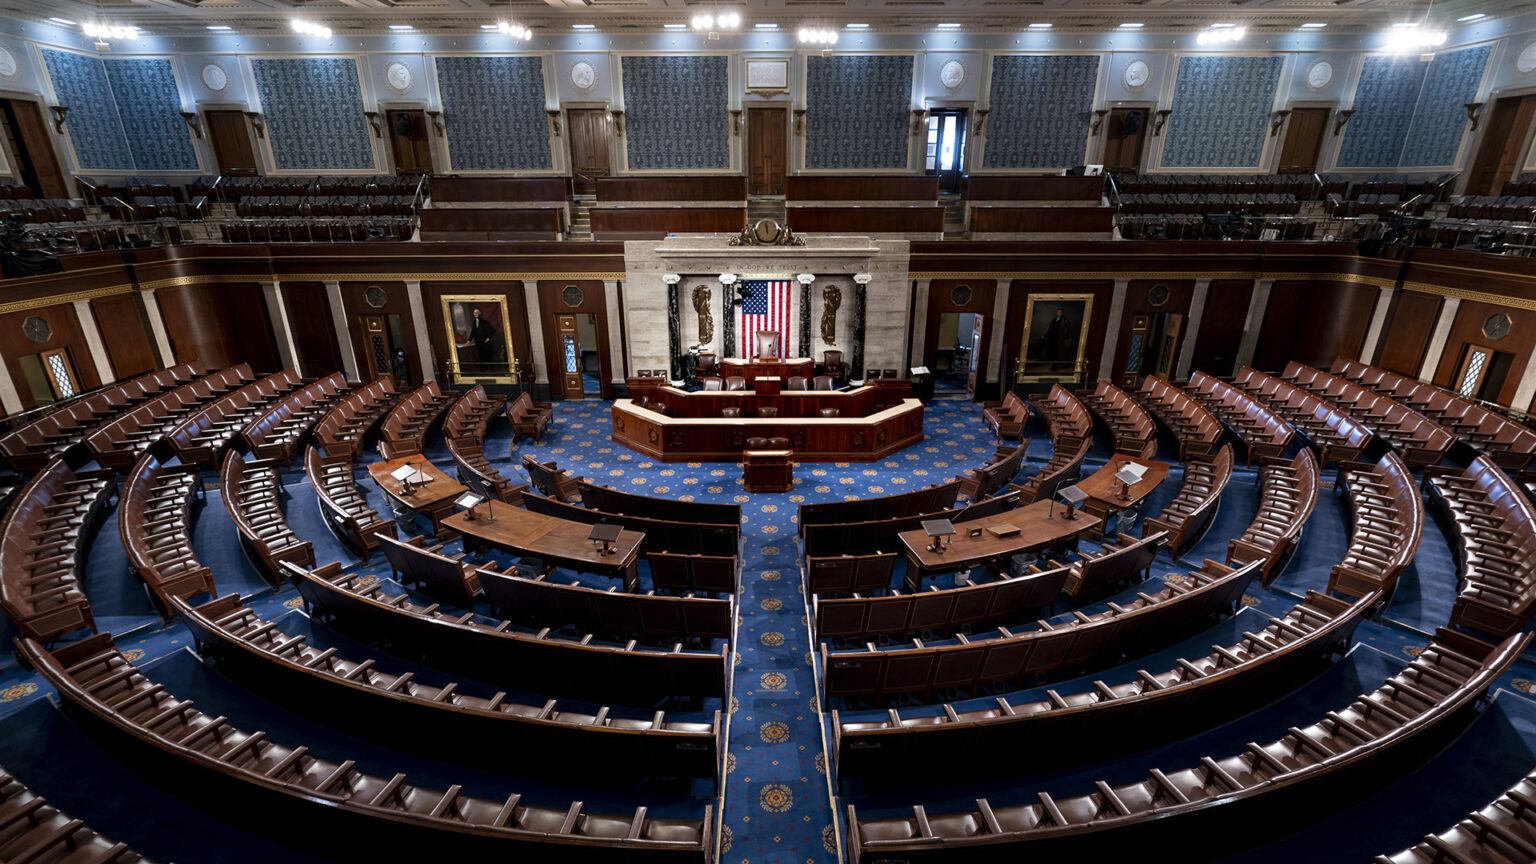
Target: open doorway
1153,343
591,368
954,352
1123,141
1481,372
946,147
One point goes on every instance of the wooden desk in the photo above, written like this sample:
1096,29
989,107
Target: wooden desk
434,499
767,470
671,438
555,540
1036,531
782,368
1104,491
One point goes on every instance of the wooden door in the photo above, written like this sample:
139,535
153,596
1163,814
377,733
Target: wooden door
408,141
946,147
1498,157
35,149
1471,371
570,356
1168,345
1125,139
1304,140
230,134
588,128
975,374
379,350
767,130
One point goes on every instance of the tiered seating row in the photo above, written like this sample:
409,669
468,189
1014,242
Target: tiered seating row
1189,514
1421,440
529,419
996,474
1121,560
1495,529
345,510
1064,467
1288,494
1006,418
155,524
864,538
464,429
940,496
32,830
661,535
251,491
1198,431
611,500
279,432
552,482
940,610
1388,519
201,438
1338,437
1065,414
1505,830
650,616
1323,759
1132,426
134,714
120,443
1264,433
405,429
342,429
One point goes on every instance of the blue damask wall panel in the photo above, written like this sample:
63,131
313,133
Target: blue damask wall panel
1221,108
676,112
858,111
149,106
314,113
1439,119
1041,110
95,130
1384,103
493,110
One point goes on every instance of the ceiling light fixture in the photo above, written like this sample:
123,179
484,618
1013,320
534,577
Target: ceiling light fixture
947,26
1404,40
309,28
1475,16
1314,25
399,27
1132,25
513,29
1041,26
720,21
765,26
583,27
857,26
62,22
817,36
104,31
219,27
674,26
1221,34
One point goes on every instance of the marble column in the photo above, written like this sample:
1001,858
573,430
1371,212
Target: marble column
919,323
10,400
535,331
1112,329
727,317
424,354
1192,330
1378,323
1437,341
675,369
277,310
151,308
860,292
343,334
1527,389
92,336
1258,304
617,362
806,281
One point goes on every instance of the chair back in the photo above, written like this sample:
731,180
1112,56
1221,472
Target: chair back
736,382
798,382
767,344
823,382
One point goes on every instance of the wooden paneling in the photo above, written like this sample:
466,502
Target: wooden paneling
1007,187
125,334
672,188
1303,140
65,334
408,141
313,328
861,187
552,302
1405,336
493,223
1221,325
398,302
767,149
1503,144
1127,132
230,134
500,189
1039,220
219,325
32,131
918,219
1018,308
1314,322
587,129
1138,302
654,223
1468,329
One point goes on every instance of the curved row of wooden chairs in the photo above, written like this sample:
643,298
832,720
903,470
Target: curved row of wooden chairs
529,419
552,482
405,428
661,535
1121,560
154,521
280,431
650,616
252,492
1065,414
465,428
1196,428
1288,492
997,473
1418,439
1006,418
132,713
1264,433
1337,436
539,662
942,610
1297,773
1133,429
1505,830
940,496
33,445
342,430
1191,511
120,442
32,831
1064,467
1388,517
1510,445
46,536
455,720
201,438
880,535
1003,656
1494,529
610,500
345,511
1141,712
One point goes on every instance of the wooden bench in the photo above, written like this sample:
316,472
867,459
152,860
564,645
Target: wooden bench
1494,526
413,562
154,523
1123,559
1288,493
251,490
996,474
1189,514
1006,419
407,425
279,432
1065,414
342,430
1337,436
551,481
202,438
680,573
1065,466
649,616
611,500
1420,440
465,429
661,535
940,496
970,604
346,512
121,442
1133,428
529,419
1504,830
32,830
1388,517
1197,430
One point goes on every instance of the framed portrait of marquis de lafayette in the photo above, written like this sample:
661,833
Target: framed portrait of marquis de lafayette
479,348
1055,336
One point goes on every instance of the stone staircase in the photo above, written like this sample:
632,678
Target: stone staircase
765,207
581,217
954,215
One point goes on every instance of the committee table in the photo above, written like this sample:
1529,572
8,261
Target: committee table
784,368
433,497
554,540
1030,528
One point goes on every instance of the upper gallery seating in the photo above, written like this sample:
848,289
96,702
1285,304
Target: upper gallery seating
498,208
1388,517
278,432
464,428
1320,762
1002,656
940,496
1288,493
544,737
1004,206
345,511
864,204
1212,206
1338,437
529,418
155,524
1148,708
1006,418
32,830
544,661
47,533
1132,426
1263,432
996,474
1509,444
251,491
1495,529
404,432
1190,512
202,437
119,443
1505,830
1198,431
1420,440
35,444
138,715
649,208
342,430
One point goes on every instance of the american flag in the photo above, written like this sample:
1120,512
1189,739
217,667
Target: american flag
764,306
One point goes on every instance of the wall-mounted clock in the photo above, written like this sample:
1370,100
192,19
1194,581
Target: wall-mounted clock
1136,73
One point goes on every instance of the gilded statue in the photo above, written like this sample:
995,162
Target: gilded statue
831,298
706,320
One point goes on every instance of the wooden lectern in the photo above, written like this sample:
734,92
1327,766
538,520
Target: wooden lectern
767,470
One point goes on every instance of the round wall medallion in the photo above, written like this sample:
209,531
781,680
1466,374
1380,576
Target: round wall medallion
398,76
1157,295
572,295
376,296
1136,73
1497,326
7,63
583,75
37,329
952,74
1319,74
960,295
214,77
1526,62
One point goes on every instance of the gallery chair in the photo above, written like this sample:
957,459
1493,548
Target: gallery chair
730,413
768,411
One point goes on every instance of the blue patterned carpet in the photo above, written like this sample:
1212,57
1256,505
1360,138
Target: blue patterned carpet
777,804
